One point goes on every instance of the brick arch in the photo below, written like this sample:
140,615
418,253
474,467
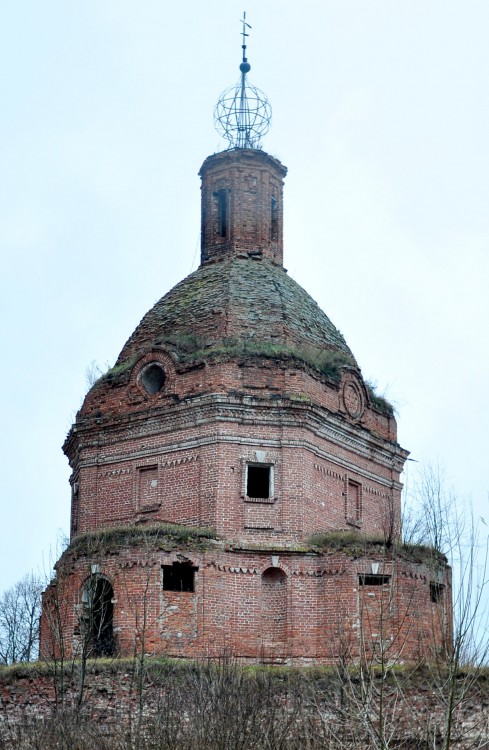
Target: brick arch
157,356
274,613
97,616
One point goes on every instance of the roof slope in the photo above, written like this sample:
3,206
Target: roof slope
242,301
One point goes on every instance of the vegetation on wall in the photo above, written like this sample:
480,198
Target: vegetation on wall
164,536
374,701
193,349
355,544
222,706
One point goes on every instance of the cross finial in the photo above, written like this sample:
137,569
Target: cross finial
246,25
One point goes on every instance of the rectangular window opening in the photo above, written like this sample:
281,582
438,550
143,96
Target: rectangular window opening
148,486
274,222
259,481
373,579
221,200
179,577
354,501
436,592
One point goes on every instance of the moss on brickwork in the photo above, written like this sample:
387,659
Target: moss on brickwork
113,373
104,666
161,668
194,350
164,536
241,308
326,361
237,300
379,403
355,544
344,540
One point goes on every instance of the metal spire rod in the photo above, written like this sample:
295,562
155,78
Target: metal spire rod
243,114
244,35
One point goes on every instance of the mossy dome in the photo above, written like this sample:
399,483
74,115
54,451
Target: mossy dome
239,304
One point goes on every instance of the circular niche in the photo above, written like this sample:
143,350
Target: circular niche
352,399
153,378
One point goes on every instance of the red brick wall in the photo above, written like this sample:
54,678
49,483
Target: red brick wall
413,708
199,449
179,454
248,180
288,606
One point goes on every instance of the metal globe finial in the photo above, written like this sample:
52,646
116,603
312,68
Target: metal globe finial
243,113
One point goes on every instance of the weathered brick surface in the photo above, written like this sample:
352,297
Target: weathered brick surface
251,185
236,301
285,606
412,708
248,370
199,450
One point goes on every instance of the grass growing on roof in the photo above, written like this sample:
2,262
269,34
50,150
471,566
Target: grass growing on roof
160,536
355,544
190,348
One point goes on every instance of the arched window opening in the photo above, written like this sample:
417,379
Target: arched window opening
98,617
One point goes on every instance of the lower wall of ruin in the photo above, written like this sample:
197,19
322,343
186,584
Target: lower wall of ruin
37,702
283,607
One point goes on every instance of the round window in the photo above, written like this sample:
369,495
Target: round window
153,378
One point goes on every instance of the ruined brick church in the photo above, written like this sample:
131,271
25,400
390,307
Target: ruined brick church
235,483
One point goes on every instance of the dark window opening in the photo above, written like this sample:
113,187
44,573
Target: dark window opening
258,481
99,617
153,378
179,577
274,223
221,201
354,501
436,592
373,579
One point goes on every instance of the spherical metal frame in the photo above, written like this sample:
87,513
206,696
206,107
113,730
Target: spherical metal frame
243,115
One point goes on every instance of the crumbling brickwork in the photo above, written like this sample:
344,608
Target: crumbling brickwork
242,205
237,406
314,709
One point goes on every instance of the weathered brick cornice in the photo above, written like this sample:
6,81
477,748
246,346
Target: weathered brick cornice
222,412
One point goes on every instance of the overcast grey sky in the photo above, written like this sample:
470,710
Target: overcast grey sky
380,112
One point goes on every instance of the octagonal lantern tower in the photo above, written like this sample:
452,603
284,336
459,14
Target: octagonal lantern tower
234,479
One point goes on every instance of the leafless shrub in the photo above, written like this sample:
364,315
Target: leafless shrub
20,608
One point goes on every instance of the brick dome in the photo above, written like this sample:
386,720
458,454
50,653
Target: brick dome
238,305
